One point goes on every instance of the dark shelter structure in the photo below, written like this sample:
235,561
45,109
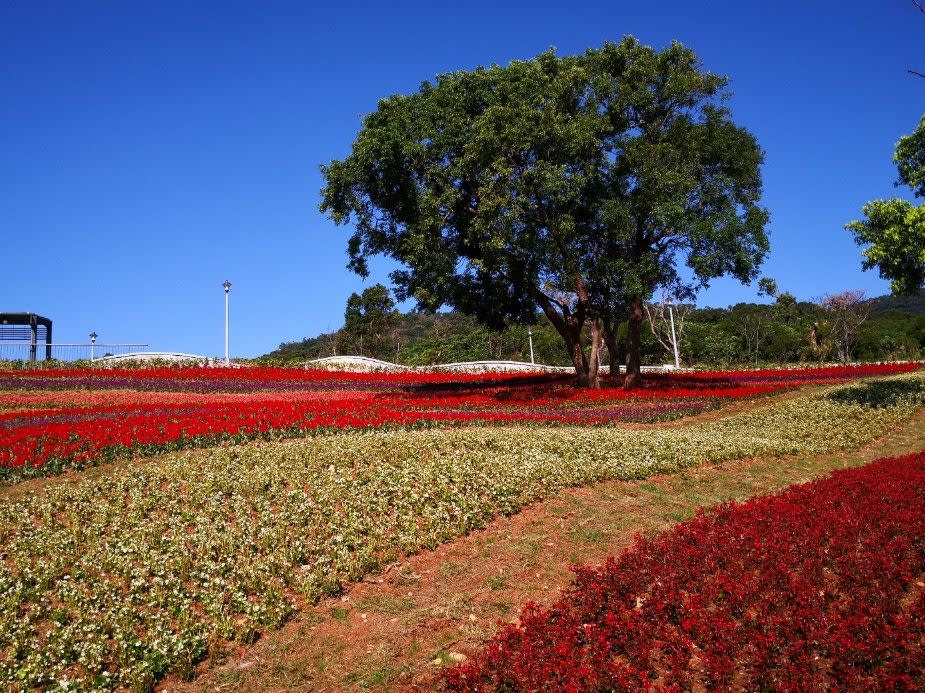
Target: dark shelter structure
13,327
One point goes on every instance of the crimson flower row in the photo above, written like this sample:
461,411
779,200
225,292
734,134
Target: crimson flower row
53,438
274,379
78,437
817,588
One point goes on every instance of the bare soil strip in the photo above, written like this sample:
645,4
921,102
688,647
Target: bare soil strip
395,631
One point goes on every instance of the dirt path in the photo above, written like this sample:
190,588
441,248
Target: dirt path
397,630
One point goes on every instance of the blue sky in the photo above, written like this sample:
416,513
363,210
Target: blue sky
151,150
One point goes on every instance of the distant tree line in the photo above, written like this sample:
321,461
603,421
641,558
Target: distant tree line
838,327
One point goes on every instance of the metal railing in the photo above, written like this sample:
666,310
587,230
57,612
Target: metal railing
21,351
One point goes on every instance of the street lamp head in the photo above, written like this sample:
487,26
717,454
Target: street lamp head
227,285
93,336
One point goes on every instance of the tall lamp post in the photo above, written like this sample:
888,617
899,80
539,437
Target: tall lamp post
530,337
674,339
93,336
227,286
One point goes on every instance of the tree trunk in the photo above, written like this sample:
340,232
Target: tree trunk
613,350
579,359
594,361
633,344
569,327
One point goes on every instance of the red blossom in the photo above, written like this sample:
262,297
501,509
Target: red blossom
179,407
817,588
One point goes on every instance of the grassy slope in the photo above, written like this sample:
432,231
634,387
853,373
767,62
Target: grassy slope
396,631
119,576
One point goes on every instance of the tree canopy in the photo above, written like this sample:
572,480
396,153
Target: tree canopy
894,230
573,184
910,160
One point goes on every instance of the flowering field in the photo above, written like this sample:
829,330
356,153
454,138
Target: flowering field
54,420
111,580
817,588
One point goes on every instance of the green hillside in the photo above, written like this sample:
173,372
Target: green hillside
746,333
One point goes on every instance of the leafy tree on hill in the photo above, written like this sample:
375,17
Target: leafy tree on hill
369,319
894,230
575,185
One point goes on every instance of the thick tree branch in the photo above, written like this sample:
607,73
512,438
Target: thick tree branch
921,7
546,304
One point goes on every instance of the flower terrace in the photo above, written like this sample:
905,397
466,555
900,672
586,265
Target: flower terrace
154,565
53,420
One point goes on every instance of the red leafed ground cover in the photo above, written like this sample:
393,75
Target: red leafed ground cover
71,418
821,587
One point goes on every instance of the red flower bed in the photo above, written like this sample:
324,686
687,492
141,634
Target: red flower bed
109,412
821,587
201,378
74,437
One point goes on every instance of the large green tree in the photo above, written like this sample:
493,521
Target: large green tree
894,230
574,184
